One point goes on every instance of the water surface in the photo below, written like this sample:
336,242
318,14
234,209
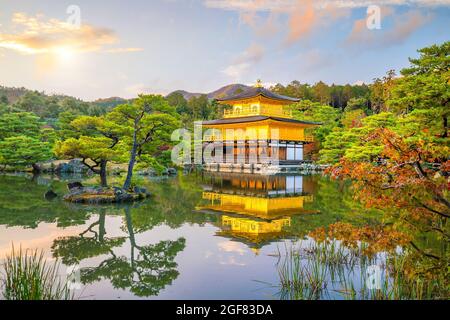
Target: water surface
201,236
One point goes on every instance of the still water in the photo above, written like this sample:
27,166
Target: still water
200,236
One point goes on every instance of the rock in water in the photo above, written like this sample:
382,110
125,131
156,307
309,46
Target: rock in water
50,195
139,190
170,172
74,185
73,166
99,195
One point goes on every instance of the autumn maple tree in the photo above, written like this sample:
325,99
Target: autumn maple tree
398,161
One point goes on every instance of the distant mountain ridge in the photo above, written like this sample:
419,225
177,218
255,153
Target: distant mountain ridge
110,102
221,93
14,94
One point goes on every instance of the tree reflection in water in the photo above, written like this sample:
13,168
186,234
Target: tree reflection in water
147,270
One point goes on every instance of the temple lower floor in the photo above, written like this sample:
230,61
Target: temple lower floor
265,157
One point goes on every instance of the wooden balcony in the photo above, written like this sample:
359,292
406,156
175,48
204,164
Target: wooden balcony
257,111
218,138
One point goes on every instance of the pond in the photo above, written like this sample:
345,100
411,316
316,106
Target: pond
200,236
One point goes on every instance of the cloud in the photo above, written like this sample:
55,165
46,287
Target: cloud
254,53
301,21
263,27
303,15
229,246
404,25
38,35
124,50
288,5
306,16
244,61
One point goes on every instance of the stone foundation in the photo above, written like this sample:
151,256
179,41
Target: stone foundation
265,169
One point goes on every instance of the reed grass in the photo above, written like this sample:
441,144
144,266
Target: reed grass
26,275
301,280
325,270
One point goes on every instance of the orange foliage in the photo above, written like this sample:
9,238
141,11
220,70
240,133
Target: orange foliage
377,239
409,179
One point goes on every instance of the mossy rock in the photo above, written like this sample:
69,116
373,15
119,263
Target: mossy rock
99,195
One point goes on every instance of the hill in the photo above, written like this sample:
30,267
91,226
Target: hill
12,94
225,91
110,102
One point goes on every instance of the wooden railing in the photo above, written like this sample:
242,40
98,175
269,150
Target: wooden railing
209,137
211,196
257,111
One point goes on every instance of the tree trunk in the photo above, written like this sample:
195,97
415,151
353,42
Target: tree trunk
131,163
36,168
103,177
445,123
101,226
132,238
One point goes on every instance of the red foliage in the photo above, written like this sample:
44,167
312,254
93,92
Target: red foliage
408,181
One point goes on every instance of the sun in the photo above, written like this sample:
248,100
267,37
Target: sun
65,54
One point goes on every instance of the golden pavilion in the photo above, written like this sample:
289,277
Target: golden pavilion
254,209
257,133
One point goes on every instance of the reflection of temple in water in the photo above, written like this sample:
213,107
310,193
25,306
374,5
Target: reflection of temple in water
255,209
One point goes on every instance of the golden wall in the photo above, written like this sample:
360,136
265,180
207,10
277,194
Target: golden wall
262,130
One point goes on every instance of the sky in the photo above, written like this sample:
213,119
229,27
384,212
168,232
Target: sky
104,48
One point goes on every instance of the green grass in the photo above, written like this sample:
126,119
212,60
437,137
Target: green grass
26,275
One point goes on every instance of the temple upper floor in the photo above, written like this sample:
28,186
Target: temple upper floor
256,107
258,101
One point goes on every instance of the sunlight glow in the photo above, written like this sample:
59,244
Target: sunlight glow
65,54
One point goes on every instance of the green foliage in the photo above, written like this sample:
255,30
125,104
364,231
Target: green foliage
358,104
352,118
64,127
316,112
85,147
147,161
349,142
425,85
335,145
20,123
418,104
337,96
144,127
23,151
176,100
4,99
380,91
199,107
50,107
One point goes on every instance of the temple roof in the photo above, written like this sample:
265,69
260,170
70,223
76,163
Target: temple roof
258,91
255,119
